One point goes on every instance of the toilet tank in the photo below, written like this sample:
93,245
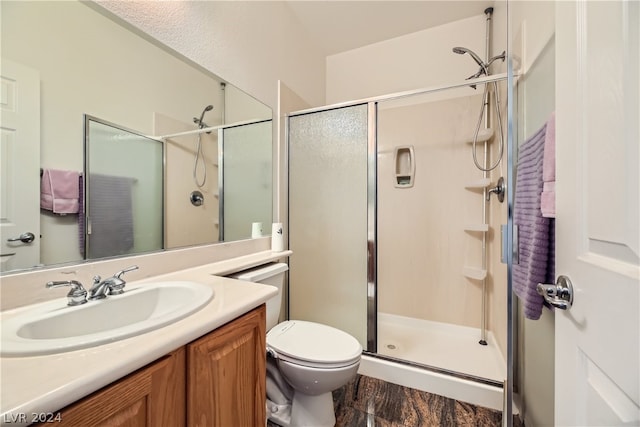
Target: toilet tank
269,274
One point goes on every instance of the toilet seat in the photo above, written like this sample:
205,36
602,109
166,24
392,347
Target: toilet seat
313,345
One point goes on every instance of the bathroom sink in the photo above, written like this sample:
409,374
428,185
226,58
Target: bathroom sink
53,327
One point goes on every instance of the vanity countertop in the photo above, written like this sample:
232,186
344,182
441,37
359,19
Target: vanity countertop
41,384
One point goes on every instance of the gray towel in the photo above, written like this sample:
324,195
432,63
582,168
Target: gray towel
535,233
111,215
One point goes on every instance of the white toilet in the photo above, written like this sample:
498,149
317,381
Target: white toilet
306,362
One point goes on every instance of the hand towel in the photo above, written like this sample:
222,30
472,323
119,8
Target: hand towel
535,232
548,197
59,191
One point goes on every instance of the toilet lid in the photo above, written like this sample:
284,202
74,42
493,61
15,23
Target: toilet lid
303,341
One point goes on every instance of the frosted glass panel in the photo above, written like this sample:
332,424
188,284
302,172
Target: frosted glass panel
328,218
124,192
247,179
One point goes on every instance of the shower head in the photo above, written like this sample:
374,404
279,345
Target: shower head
199,121
463,50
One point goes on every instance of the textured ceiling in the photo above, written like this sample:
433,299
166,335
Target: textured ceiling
337,26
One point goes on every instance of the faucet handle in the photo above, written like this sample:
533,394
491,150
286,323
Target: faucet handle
76,296
117,286
126,270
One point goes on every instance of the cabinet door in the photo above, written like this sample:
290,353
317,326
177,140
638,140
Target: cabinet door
152,396
226,374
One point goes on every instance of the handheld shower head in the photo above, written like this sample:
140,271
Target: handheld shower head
463,50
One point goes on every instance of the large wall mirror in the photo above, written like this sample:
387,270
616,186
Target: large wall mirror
83,61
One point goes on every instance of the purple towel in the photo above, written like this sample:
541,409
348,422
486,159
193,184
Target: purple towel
535,233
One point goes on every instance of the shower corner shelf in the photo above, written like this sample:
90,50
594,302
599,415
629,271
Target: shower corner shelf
478,184
474,273
477,227
484,135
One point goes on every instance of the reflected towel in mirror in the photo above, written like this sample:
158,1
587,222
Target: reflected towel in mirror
59,191
109,205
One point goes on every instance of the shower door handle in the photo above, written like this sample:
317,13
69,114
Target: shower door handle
559,295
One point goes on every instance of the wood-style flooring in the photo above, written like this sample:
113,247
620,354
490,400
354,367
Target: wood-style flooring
367,402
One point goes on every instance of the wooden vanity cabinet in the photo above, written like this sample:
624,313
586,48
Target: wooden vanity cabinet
151,396
217,380
226,383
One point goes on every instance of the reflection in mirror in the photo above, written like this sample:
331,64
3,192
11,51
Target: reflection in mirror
88,62
123,191
245,162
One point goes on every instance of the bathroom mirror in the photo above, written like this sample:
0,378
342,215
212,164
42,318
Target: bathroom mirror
88,62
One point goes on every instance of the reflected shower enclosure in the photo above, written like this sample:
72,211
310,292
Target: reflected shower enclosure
245,178
123,198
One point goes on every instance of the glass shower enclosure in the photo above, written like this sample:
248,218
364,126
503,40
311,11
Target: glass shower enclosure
393,240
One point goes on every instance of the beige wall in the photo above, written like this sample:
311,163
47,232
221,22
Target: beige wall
230,39
417,60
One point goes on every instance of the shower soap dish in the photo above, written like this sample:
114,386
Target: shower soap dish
405,166
474,273
478,184
484,135
477,227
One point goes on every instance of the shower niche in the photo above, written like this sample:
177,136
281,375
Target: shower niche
405,166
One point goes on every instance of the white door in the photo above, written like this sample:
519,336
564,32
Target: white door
19,166
597,224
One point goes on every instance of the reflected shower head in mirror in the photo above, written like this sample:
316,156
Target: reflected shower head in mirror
199,159
199,121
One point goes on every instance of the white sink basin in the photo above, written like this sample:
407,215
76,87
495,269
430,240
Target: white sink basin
53,327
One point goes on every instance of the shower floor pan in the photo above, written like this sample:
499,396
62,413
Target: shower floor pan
441,345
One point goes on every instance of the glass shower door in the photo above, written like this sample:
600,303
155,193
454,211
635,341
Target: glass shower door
329,218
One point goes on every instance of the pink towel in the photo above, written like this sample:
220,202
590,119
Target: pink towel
59,191
548,196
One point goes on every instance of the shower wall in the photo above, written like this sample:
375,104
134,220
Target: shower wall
423,247
186,224
416,60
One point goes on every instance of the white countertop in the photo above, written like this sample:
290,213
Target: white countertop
40,384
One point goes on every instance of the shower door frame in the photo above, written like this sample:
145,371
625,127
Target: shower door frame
371,326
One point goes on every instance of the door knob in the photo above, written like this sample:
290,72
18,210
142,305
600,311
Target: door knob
27,237
559,295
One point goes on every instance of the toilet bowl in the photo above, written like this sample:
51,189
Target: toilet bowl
306,361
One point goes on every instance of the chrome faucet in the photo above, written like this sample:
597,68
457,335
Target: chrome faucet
76,296
114,285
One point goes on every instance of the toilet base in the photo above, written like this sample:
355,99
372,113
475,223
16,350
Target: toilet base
305,411
312,411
